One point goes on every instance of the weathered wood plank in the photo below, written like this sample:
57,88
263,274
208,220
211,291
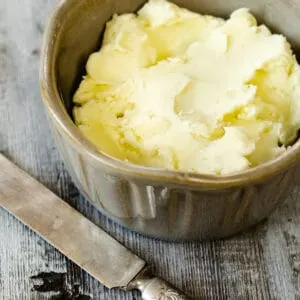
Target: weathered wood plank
263,263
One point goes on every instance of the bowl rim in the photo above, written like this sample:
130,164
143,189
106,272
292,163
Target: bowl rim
53,103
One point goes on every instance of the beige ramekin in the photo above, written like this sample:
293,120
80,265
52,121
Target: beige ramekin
164,204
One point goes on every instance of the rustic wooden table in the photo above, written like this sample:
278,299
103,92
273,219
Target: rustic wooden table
263,263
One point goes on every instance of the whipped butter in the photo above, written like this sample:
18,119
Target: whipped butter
173,89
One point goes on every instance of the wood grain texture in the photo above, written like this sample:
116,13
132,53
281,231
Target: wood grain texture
263,263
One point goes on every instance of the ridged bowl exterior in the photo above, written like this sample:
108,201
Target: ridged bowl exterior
167,208
172,213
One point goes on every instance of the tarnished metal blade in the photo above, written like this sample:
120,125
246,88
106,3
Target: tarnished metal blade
66,229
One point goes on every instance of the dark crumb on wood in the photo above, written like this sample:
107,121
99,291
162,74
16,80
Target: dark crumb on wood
295,263
39,28
35,52
290,239
49,282
57,282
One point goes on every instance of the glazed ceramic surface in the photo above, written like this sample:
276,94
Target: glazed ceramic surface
164,204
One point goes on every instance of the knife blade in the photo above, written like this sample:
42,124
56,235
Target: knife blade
76,237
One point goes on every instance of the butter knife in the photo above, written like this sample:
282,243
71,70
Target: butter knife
76,237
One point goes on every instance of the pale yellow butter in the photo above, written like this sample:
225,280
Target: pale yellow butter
173,89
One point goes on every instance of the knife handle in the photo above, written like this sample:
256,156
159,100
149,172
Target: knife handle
154,288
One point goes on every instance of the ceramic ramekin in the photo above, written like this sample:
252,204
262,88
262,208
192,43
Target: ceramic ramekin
164,204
